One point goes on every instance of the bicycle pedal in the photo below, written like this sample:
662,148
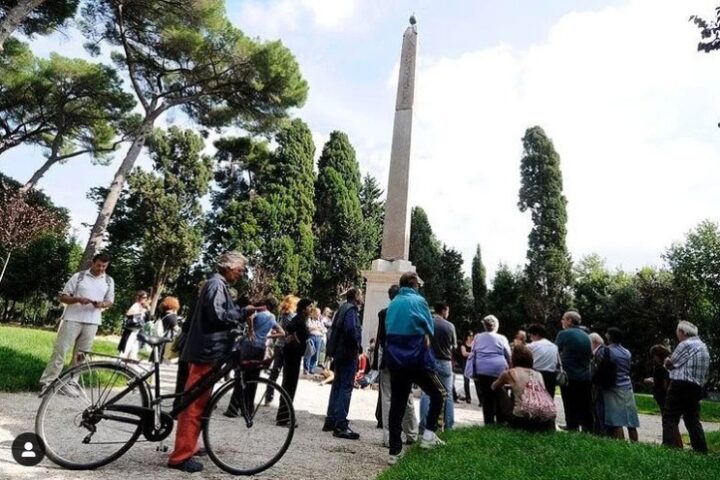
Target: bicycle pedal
163,449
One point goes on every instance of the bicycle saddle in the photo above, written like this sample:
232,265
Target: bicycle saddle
153,340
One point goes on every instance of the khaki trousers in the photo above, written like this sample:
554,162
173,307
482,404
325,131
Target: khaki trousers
71,335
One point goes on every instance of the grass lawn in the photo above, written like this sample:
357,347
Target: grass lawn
24,353
709,411
503,454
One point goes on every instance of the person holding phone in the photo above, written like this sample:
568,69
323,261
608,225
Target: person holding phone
85,295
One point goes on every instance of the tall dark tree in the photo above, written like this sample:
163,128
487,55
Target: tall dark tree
548,269
505,299
340,248
479,284
286,206
456,289
33,16
188,55
426,254
373,210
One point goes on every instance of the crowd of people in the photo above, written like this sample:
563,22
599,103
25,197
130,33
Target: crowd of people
515,381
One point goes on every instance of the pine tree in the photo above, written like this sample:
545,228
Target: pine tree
456,291
505,299
549,268
479,285
373,210
340,248
426,254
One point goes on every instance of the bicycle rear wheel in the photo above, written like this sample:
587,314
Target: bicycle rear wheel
256,438
72,418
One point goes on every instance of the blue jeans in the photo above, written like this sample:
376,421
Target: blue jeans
309,363
443,369
340,394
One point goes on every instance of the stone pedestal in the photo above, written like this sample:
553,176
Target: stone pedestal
379,278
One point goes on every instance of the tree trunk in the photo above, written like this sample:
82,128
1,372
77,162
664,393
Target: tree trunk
15,17
39,174
5,264
158,287
97,233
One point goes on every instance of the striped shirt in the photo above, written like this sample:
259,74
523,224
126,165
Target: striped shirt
690,361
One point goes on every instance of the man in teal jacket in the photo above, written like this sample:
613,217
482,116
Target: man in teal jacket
408,356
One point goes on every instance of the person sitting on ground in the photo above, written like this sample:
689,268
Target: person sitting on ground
529,407
360,376
619,400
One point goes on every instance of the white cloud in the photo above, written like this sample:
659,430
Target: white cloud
630,106
273,18
330,13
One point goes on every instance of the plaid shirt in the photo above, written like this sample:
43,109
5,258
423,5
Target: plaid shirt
691,361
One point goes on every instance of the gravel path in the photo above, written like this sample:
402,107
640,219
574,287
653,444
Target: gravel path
312,454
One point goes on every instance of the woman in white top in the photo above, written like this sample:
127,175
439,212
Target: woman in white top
545,356
135,318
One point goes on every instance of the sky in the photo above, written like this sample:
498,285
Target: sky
618,85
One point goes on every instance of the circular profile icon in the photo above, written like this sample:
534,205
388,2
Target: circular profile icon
28,450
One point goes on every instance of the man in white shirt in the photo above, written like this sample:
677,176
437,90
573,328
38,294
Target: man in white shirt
85,295
545,356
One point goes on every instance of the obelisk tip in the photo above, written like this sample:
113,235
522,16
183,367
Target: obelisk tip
413,20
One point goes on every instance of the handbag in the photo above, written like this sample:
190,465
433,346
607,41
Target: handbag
470,366
561,376
535,402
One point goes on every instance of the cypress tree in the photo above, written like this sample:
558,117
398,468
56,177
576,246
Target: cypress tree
479,284
548,269
373,210
456,290
340,247
426,254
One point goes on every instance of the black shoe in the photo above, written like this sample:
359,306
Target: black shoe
346,434
229,414
328,428
188,466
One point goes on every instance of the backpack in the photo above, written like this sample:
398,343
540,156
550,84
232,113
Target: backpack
535,402
81,276
605,371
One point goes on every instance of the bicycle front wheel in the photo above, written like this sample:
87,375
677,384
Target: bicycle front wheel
78,430
243,436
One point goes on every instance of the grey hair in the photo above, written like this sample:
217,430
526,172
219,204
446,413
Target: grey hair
573,316
688,328
596,338
230,260
491,323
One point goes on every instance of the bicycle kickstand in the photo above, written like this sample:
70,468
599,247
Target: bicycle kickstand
162,447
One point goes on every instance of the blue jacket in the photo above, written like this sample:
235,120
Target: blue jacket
408,321
345,342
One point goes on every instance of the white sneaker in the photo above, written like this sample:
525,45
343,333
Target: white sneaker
432,442
393,459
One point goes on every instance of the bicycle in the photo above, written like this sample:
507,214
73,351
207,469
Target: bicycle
94,412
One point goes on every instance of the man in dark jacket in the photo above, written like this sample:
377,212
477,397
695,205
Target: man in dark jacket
344,346
209,339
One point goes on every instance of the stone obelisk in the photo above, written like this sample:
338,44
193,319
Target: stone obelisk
386,270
